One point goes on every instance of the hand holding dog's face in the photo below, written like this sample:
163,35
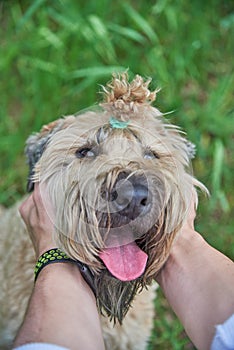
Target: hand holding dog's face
38,221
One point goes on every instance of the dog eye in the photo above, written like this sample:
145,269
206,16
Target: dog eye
85,152
149,154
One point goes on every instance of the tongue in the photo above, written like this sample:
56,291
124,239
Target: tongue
126,262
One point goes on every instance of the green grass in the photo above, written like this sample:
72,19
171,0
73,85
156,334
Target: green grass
55,53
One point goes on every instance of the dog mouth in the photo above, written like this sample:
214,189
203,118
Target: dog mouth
125,262
122,257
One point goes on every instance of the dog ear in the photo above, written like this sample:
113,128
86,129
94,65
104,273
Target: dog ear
35,146
37,142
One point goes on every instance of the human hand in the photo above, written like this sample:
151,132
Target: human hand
188,225
38,222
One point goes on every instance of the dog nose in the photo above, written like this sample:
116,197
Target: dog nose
131,196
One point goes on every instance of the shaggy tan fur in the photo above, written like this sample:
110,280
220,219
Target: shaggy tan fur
81,160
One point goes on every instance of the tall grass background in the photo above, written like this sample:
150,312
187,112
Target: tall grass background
54,55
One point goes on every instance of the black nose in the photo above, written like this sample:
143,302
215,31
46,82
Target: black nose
130,196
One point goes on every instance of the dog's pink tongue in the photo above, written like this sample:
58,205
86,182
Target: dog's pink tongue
126,262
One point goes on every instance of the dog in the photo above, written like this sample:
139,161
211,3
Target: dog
119,180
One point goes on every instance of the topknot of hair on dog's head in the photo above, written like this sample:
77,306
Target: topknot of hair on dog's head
122,96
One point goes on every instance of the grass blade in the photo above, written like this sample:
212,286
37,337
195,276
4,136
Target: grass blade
141,23
30,12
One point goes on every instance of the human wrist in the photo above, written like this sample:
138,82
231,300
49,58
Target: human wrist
188,243
42,246
65,276
188,239
51,256
57,272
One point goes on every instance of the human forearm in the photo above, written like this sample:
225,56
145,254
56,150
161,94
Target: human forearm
62,311
198,282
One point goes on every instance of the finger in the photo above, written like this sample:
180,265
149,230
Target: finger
43,202
26,206
40,202
37,196
28,213
191,215
194,204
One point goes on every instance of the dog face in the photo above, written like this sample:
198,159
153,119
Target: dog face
120,189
